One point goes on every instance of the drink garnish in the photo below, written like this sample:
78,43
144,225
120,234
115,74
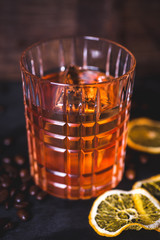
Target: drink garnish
117,210
152,185
72,75
144,135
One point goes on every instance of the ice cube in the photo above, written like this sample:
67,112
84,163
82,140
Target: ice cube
79,75
89,95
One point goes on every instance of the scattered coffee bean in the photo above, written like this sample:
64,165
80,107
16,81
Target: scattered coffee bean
33,190
19,160
23,187
6,160
41,195
26,179
143,159
12,192
20,197
5,184
3,195
8,204
21,205
7,141
11,170
24,173
23,214
5,181
10,225
3,222
15,182
130,174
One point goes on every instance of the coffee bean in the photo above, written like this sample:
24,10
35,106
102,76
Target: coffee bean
130,174
26,179
7,141
6,160
23,187
5,184
5,181
20,197
12,192
11,170
8,204
33,190
10,225
143,159
24,173
23,214
19,160
3,222
41,195
21,205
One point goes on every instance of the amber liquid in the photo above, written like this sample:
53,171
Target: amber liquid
76,137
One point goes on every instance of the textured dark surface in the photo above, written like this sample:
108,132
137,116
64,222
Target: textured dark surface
63,219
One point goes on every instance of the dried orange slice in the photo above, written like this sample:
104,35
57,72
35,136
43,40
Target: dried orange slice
152,185
117,210
144,135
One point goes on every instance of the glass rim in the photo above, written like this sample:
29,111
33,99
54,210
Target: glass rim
87,37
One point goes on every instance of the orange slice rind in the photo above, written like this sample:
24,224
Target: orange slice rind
144,135
117,210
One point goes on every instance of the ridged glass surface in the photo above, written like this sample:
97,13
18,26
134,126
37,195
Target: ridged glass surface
77,133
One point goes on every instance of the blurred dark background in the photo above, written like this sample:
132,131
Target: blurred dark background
133,23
